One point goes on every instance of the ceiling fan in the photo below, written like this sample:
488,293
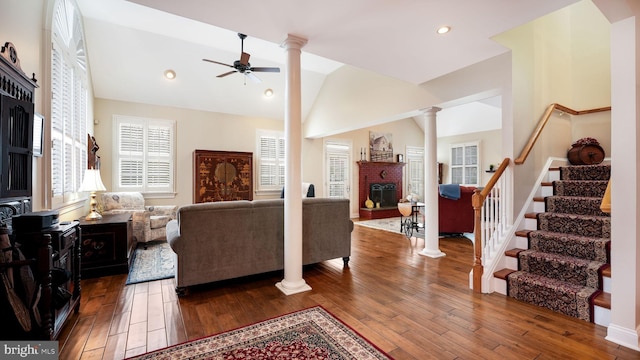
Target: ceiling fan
242,66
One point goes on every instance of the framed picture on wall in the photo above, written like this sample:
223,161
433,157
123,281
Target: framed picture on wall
380,146
38,134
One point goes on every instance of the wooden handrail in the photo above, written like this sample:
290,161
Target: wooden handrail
543,121
605,205
477,200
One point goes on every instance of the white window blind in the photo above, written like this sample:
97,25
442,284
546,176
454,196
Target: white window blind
338,155
270,160
464,164
144,154
69,103
415,171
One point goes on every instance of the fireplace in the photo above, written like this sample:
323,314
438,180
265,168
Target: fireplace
384,194
381,182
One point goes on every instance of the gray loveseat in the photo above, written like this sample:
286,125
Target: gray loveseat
225,240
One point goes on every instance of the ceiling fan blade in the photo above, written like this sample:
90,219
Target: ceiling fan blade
216,62
265,69
253,77
244,58
225,74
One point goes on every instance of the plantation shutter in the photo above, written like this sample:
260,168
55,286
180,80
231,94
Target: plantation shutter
57,128
145,154
159,153
338,157
131,164
464,164
69,104
270,160
415,170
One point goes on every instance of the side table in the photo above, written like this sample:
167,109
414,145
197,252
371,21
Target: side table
107,245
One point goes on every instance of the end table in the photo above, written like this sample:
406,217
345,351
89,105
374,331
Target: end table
107,245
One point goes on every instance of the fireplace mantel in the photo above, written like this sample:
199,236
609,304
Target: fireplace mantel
373,172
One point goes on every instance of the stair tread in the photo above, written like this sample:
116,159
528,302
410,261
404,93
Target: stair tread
547,183
523,233
539,198
531,215
603,300
606,271
561,233
553,283
513,252
502,274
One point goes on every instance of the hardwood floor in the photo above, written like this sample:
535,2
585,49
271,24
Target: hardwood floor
411,306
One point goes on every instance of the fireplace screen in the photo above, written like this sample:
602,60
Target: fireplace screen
384,194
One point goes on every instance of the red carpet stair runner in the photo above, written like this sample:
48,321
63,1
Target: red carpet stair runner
562,268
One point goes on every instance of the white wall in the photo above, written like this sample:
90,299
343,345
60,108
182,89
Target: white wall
545,69
196,130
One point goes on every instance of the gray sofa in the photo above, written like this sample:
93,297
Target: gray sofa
225,240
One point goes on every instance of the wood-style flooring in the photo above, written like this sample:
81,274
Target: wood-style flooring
410,306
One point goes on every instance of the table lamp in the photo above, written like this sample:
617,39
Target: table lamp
92,183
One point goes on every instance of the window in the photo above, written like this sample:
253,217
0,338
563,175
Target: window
144,155
415,171
270,160
464,164
69,103
338,158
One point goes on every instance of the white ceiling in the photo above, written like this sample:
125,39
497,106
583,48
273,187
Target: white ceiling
131,43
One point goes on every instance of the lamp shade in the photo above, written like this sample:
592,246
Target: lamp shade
92,181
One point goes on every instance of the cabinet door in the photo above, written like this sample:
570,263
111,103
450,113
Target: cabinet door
15,161
222,176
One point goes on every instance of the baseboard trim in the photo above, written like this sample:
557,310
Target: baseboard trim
623,336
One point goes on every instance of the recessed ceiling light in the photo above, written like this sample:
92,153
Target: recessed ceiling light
170,74
268,93
443,29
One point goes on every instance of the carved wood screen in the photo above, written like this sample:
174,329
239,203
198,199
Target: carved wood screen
222,176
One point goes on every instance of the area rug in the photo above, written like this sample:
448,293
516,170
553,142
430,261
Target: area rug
388,224
393,225
153,263
311,333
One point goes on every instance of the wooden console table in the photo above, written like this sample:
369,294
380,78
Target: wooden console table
107,245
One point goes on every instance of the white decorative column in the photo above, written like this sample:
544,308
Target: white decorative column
293,282
431,239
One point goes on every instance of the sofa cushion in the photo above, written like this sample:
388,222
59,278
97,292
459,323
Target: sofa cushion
159,221
122,201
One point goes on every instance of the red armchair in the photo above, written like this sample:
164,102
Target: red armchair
456,216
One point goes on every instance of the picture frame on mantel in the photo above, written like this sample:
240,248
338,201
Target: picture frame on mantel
400,158
380,146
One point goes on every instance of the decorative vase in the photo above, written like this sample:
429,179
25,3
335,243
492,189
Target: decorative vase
590,154
368,203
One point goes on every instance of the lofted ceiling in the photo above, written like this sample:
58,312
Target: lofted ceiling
131,43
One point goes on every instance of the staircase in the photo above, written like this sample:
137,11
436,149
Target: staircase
563,257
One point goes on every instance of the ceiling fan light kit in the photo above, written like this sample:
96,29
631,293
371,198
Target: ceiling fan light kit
242,65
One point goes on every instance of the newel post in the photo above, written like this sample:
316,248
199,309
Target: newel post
478,270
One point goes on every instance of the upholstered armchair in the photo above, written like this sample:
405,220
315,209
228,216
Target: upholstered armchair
149,222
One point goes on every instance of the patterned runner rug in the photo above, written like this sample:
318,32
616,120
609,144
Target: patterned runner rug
312,333
153,263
